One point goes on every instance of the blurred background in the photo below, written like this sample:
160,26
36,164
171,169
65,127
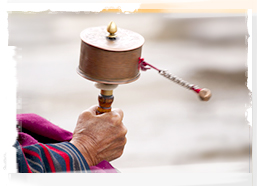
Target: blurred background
169,128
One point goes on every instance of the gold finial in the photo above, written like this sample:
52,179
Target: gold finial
205,94
112,28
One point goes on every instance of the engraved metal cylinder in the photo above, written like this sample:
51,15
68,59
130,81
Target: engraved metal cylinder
110,61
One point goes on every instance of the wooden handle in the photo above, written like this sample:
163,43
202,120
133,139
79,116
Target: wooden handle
105,99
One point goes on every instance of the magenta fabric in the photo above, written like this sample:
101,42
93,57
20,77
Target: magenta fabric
33,129
26,139
103,167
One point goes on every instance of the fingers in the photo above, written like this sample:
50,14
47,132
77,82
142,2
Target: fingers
115,111
115,116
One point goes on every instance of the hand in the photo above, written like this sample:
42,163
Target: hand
100,137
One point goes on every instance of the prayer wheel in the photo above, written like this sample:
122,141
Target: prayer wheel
109,56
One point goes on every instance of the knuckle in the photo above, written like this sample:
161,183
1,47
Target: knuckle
121,132
125,130
120,152
115,119
121,113
124,141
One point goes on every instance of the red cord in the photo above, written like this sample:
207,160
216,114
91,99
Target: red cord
142,65
196,90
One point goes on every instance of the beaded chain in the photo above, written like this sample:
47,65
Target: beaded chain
178,80
204,93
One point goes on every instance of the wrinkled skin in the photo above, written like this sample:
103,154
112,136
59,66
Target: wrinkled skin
100,137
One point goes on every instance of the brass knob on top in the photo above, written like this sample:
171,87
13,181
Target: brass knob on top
112,29
205,94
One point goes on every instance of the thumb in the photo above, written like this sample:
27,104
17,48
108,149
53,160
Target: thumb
93,109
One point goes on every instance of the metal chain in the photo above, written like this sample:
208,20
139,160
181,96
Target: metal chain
177,80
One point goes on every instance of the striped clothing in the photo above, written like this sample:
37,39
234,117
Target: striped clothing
44,147
56,157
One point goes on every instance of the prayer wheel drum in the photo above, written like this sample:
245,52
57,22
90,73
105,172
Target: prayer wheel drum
110,56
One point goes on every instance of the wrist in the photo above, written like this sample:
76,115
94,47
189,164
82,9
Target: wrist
84,151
